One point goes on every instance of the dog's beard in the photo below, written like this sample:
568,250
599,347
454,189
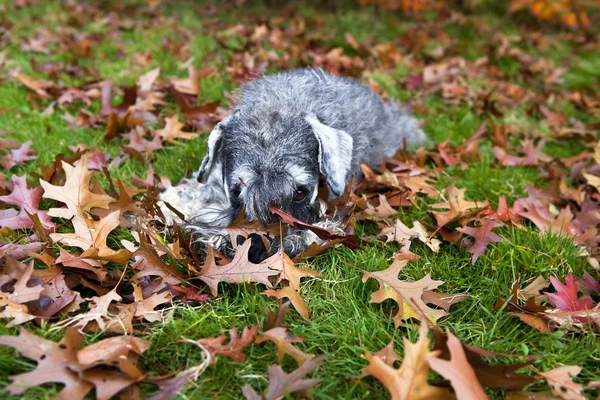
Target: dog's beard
208,212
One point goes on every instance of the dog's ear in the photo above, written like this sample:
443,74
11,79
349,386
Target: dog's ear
335,154
211,157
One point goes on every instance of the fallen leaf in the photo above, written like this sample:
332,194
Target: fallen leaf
284,340
281,383
483,237
458,371
173,130
408,295
561,381
239,270
233,349
566,297
409,382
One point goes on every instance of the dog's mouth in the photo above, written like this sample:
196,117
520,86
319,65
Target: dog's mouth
214,221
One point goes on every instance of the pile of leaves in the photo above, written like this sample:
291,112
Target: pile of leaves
89,255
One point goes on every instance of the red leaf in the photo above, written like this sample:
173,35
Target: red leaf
483,236
566,297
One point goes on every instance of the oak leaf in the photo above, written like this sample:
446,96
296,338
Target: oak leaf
488,374
407,294
146,307
91,237
98,312
409,382
120,351
65,363
234,349
566,297
53,363
95,267
173,130
149,263
458,371
22,291
17,313
18,156
293,294
283,340
458,207
39,86
239,270
561,381
146,81
28,201
76,192
138,142
280,261
281,383
483,237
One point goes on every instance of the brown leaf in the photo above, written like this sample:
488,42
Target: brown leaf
138,142
18,156
17,313
53,363
483,237
173,130
233,349
116,351
22,291
146,307
117,125
190,85
488,375
281,383
28,201
408,295
71,261
146,81
149,263
458,371
350,241
76,192
275,319
561,381
283,339
239,270
458,207
37,85
98,312
409,382
289,272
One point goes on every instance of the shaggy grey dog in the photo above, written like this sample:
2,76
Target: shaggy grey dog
286,132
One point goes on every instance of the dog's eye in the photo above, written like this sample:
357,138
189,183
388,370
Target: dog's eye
300,194
237,191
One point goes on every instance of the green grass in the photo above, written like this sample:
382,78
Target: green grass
344,324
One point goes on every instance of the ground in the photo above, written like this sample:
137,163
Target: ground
128,42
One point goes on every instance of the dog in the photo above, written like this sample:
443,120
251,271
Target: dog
287,131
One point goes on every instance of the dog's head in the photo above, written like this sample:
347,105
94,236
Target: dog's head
276,161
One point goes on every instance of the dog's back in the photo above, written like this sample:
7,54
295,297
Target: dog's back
377,128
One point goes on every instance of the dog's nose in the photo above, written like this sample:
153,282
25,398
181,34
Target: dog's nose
266,217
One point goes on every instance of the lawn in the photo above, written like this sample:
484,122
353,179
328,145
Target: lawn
493,53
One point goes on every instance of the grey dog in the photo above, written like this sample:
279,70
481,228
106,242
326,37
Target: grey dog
286,132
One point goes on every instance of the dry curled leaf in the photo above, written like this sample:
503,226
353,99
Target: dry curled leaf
234,349
281,383
409,382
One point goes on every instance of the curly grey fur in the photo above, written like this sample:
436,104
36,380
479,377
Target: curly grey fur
286,131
